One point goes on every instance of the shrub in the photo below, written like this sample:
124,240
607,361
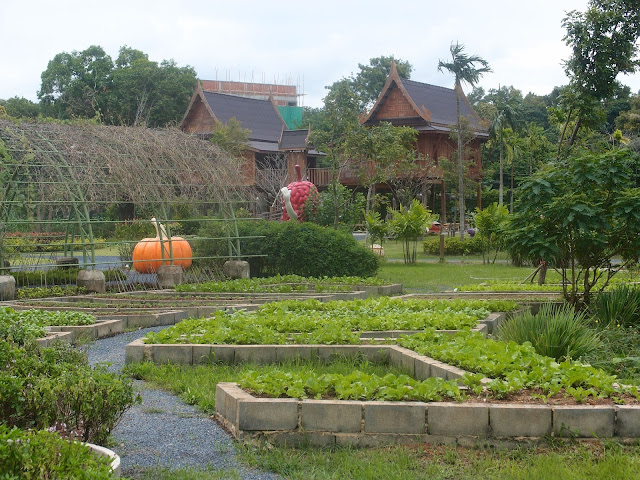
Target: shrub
287,248
618,306
43,454
454,246
55,388
557,332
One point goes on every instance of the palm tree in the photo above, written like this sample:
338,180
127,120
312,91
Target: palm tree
507,106
464,69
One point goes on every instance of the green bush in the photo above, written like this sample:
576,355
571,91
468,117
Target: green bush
42,454
556,331
287,248
454,246
56,388
618,306
45,277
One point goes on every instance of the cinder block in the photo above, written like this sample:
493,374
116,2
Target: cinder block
181,315
583,421
331,416
439,369
453,372
287,353
224,354
520,420
108,327
268,414
328,353
396,354
201,354
301,439
357,440
422,368
165,318
377,354
134,351
395,417
221,397
628,421
260,354
177,354
141,321
457,419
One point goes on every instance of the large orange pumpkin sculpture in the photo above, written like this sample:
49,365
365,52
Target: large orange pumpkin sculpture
147,254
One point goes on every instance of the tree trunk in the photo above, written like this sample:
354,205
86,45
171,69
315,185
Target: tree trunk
511,200
501,188
460,166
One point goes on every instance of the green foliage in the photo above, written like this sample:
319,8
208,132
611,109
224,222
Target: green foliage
618,306
131,91
54,387
356,385
292,248
603,42
454,246
232,137
577,215
556,331
347,205
22,326
42,454
329,323
55,291
409,225
20,107
281,284
491,222
368,82
134,230
514,366
377,228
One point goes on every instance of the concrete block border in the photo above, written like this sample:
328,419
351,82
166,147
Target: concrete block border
363,423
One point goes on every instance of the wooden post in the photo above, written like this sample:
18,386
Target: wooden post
443,203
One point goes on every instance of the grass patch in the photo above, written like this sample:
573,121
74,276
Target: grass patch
437,277
426,462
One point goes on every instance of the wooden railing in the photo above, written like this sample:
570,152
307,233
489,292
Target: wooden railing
320,176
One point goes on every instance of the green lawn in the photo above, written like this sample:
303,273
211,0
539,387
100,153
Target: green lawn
427,277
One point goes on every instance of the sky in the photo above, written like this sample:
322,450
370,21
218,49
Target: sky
310,44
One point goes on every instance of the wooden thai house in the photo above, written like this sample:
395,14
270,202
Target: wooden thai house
270,141
431,110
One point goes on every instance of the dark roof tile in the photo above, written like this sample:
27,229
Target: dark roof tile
441,102
259,116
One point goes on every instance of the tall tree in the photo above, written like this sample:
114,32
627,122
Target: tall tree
335,124
507,101
368,82
580,215
20,107
75,84
132,91
464,69
603,43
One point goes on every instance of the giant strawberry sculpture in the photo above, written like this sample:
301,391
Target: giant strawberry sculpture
295,195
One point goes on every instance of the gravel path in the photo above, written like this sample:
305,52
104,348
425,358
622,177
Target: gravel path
163,431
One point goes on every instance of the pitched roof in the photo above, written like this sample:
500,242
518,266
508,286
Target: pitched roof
441,102
434,106
294,139
259,116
